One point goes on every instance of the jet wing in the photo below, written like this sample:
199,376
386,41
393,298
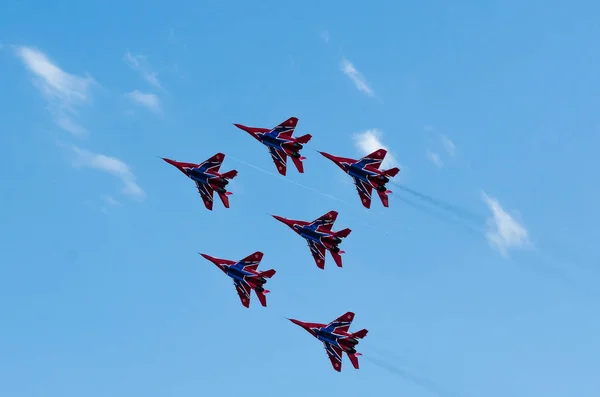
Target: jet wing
318,253
213,164
280,160
285,129
364,191
335,355
252,261
325,222
243,291
342,323
373,160
206,192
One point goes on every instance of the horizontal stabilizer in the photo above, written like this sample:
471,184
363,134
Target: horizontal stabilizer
343,233
267,273
354,359
304,139
262,298
298,163
337,258
392,172
360,334
230,174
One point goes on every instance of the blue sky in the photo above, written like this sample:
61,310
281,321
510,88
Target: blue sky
490,106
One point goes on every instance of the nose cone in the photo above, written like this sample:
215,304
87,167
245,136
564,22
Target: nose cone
172,162
242,127
329,156
288,222
297,322
280,218
206,256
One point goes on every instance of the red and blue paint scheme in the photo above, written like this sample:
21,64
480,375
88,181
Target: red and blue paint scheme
319,236
207,178
246,276
280,143
336,339
366,175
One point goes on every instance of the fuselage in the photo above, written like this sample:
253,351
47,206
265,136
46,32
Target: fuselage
271,140
340,339
310,232
244,276
199,175
359,171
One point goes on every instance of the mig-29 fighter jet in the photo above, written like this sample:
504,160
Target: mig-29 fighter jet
336,339
280,143
319,236
366,175
246,276
207,178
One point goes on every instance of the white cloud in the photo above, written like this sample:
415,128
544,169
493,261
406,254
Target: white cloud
325,36
435,158
139,63
357,78
449,146
504,232
62,90
369,141
111,200
150,101
111,165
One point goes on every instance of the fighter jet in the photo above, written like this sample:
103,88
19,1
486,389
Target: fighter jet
280,143
207,178
336,339
366,175
319,236
245,276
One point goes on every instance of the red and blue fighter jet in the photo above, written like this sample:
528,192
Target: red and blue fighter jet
207,178
366,175
280,143
246,276
336,339
319,236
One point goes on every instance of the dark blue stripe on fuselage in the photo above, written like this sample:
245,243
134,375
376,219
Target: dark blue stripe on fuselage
272,141
310,233
326,336
359,172
237,273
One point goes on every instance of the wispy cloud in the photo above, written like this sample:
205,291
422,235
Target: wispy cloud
449,146
147,100
110,165
369,141
325,36
504,232
357,78
140,64
62,90
435,158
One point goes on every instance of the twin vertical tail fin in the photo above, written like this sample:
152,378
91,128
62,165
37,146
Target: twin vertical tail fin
354,357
